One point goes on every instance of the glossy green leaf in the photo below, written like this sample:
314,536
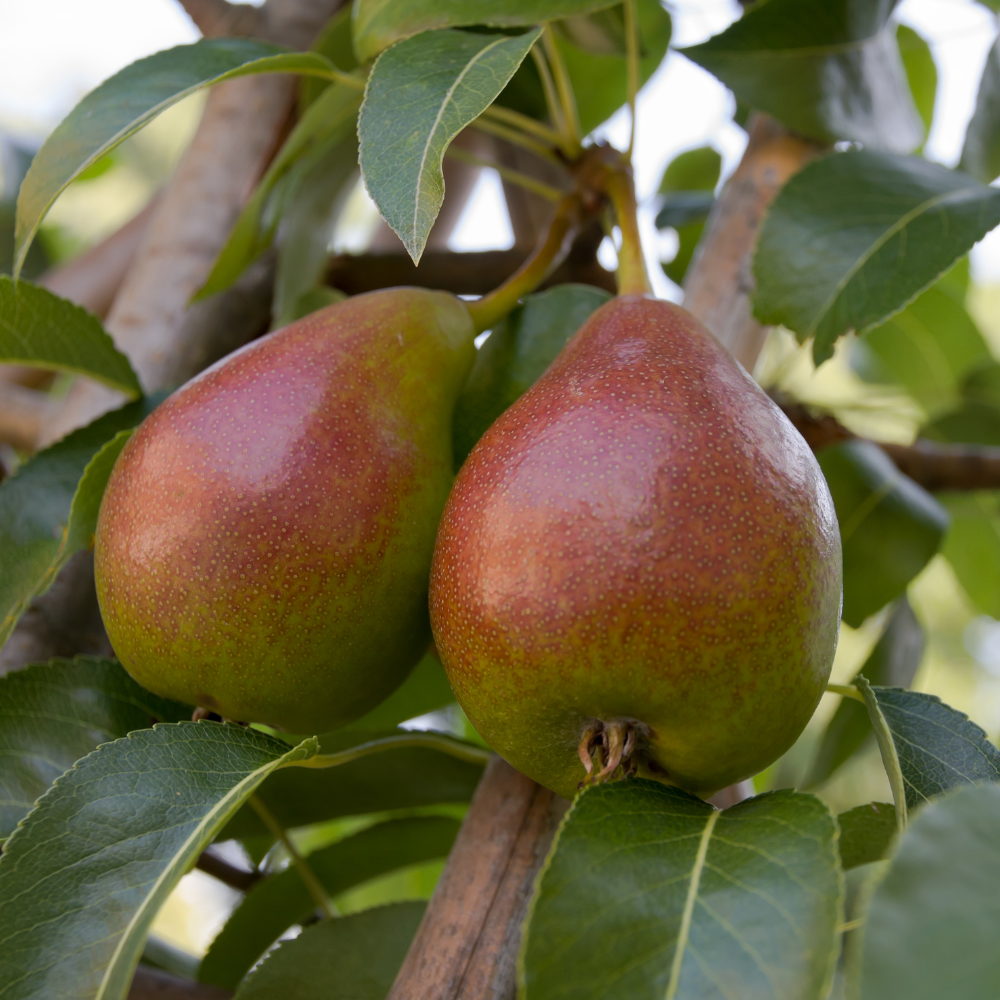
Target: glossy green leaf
515,355
421,93
972,546
349,958
981,150
889,526
83,876
52,714
930,927
892,663
379,23
937,746
921,73
650,892
829,69
280,901
43,330
426,689
131,98
866,833
48,511
853,237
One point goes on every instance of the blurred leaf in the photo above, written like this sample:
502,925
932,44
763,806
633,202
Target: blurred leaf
688,236
921,73
313,300
683,207
829,69
693,170
972,546
687,184
866,832
930,927
83,876
449,78
379,23
348,958
889,526
853,237
122,104
937,746
334,42
981,150
650,892
328,123
280,901
52,714
426,689
43,330
893,662
515,355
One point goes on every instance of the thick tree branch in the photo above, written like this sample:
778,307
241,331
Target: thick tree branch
223,19
23,414
153,984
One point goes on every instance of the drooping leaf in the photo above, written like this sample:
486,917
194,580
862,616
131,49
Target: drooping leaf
853,237
421,93
131,98
43,330
866,833
515,355
930,927
379,23
972,546
279,901
981,150
829,69
425,690
83,876
649,892
892,663
889,526
921,73
348,958
52,714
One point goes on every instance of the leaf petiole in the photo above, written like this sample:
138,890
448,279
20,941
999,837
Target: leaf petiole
531,184
846,691
516,137
564,88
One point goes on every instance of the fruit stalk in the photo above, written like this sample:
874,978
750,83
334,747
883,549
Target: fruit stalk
633,278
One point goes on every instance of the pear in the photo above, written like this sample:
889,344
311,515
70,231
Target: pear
639,565
264,544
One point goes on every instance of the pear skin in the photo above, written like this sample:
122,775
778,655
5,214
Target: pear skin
642,539
264,544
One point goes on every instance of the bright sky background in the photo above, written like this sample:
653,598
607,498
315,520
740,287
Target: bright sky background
53,51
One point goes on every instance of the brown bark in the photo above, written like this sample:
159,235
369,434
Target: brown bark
153,984
467,944
23,412
223,19
218,867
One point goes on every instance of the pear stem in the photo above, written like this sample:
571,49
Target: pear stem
633,278
492,307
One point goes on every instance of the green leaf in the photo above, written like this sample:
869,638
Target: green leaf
40,329
829,69
83,876
349,958
379,23
854,237
889,526
48,511
650,892
972,546
893,662
448,78
278,902
425,690
921,73
930,928
334,43
131,98
327,125
981,150
693,170
515,355
937,746
52,714
866,833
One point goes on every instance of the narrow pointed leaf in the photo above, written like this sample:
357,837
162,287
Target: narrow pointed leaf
866,833
130,99
650,892
85,873
421,93
981,150
854,237
40,329
921,72
52,714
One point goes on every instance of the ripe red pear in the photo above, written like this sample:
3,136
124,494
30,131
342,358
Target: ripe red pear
264,544
641,544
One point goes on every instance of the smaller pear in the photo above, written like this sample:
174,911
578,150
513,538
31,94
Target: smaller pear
264,543
639,563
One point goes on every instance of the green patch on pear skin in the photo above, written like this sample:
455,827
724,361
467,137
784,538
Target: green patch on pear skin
642,536
264,544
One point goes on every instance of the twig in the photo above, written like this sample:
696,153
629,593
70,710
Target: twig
154,984
242,879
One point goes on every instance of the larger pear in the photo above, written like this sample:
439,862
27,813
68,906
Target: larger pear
642,540
264,544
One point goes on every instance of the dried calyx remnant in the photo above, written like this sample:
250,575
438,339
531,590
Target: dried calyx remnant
608,746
